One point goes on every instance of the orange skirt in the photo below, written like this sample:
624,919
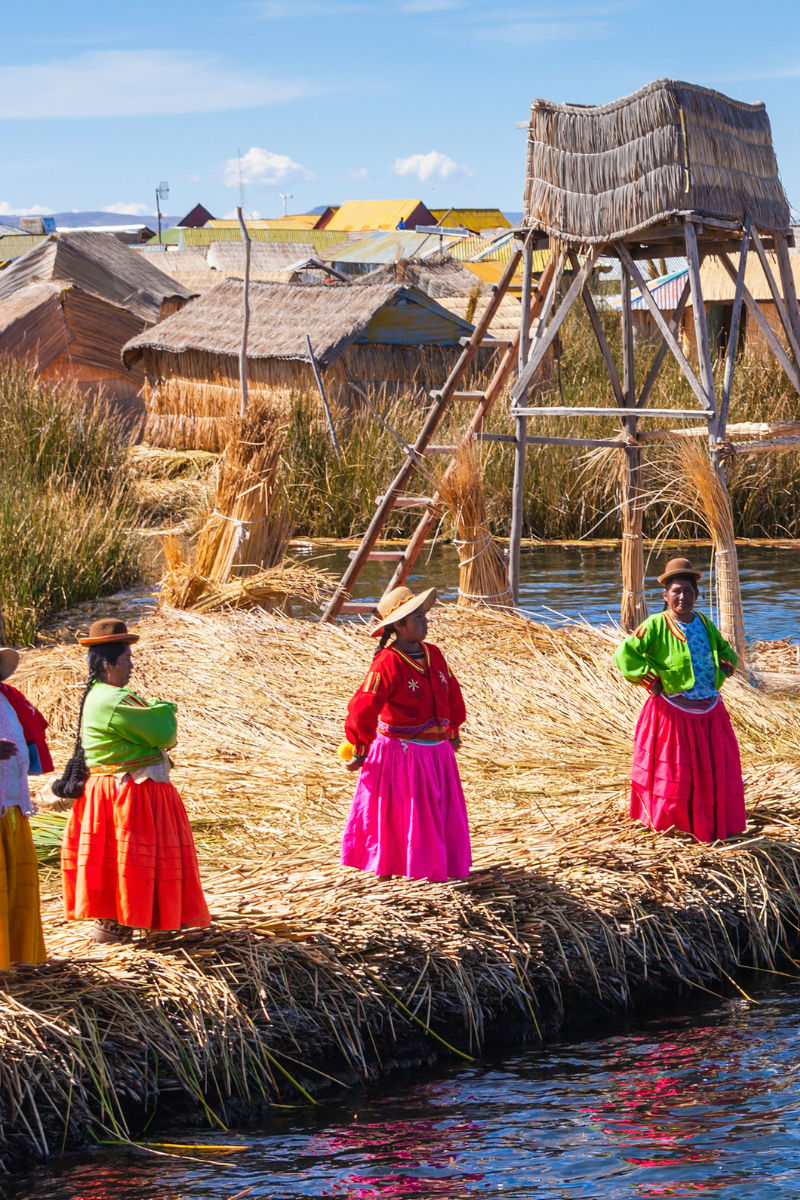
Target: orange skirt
21,937
128,855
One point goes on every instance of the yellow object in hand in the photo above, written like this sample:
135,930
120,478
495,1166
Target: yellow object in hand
346,751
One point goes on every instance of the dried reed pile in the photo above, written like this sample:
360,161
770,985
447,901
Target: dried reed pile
311,972
483,573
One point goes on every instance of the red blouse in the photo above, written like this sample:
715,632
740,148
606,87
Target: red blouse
404,699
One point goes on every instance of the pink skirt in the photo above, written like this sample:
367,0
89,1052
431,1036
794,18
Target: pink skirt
408,815
686,771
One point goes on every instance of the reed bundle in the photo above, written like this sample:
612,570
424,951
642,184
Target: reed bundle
483,571
312,973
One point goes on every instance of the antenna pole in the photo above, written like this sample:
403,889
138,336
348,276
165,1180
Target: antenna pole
246,313
158,210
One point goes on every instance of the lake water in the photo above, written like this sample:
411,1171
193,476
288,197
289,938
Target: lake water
706,1103
584,581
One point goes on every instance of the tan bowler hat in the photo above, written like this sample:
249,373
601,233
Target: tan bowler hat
679,566
9,661
399,604
108,630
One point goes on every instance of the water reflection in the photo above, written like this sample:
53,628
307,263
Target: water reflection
703,1105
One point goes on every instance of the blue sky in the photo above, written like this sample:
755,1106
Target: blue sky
348,98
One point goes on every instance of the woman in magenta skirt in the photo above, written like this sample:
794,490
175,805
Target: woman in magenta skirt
408,815
686,771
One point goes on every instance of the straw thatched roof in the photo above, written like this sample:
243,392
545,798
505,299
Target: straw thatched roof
596,173
31,323
100,265
228,257
334,316
439,277
719,288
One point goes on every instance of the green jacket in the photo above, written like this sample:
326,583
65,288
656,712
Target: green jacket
120,730
658,650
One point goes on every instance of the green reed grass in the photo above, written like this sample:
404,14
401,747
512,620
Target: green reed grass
65,512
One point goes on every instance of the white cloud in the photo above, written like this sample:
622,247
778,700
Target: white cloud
360,173
133,210
193,178
264,167
114,83
37,210
433,165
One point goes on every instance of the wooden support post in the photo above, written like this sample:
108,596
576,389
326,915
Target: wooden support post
602,341
699,314
765,328
545,337
733,337
435,414
321,389
633,608
498,381
787,283
245,313
786,322
521,446
661,353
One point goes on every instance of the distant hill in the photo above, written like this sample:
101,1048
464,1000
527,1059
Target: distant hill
76,220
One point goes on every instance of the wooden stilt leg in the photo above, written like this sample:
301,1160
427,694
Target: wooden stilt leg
518,494
633,609
787,283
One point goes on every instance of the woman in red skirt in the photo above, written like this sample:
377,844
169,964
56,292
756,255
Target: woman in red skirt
686,772
128,859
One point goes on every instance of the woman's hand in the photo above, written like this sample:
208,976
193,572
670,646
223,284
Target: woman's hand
657,689
726,667
456,742
356,762
7,750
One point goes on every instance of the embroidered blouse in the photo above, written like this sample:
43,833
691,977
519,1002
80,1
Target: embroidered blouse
703,665
403,698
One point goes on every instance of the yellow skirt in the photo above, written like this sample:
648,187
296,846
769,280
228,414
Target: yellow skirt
21,936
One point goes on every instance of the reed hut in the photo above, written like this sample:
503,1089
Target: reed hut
72,302
386,338
672,170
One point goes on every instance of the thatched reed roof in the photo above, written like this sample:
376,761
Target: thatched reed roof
607,171
719,288
228,257
100,265
334,315
31,323
439,277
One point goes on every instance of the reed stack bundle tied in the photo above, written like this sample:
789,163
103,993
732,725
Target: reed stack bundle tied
483,572
240,551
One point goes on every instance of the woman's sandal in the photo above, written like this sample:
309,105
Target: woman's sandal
106,932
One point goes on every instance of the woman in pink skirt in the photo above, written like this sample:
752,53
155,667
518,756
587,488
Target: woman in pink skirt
686,772
408,815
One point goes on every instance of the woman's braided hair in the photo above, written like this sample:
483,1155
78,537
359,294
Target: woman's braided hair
71,784
385,636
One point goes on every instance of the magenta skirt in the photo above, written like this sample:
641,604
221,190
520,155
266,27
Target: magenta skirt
686,771
408,815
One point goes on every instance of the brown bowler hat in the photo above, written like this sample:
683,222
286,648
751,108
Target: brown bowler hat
679,566
9,661
108,630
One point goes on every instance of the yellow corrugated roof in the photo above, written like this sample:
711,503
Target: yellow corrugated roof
299,221
471,218
371,214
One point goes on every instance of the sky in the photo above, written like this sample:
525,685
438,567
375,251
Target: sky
327,100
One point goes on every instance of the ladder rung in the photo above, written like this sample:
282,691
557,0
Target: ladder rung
671,414
354,607
441,450
381,555
489,342
407,501
468,396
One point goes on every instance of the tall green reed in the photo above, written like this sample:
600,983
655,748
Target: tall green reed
65,507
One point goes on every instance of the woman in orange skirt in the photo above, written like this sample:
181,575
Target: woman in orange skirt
128,859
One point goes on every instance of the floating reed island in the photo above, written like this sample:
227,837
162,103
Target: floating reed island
313,976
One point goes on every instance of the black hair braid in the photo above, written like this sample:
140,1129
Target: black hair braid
72,782
382,644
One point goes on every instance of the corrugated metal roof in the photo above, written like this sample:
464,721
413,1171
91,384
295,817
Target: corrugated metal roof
666,291
471,218
298,221
387,247
614,267
15,245
373,214
320,239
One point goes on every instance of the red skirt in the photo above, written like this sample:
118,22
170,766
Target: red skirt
686,772
128,855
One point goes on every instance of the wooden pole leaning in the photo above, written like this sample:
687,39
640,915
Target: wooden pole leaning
786,322
321,389
633,607
437,410
733,339
765,328
498,381
521,429
787,283
245,313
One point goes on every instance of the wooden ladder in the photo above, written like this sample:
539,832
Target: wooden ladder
394,496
